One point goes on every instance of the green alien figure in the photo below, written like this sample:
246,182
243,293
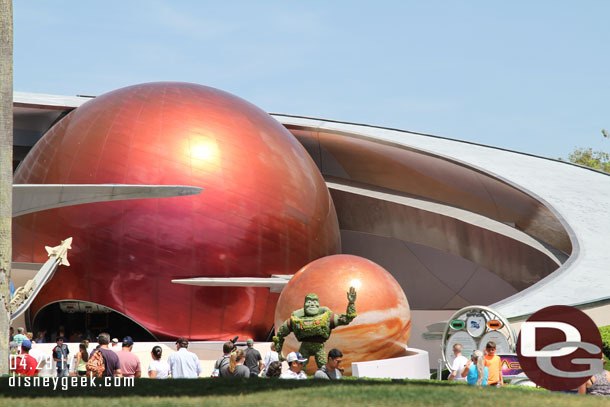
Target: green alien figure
312,325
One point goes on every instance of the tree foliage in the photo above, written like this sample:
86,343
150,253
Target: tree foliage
599,160
605,333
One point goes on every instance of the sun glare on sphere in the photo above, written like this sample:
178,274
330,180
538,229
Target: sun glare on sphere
355,283
202,152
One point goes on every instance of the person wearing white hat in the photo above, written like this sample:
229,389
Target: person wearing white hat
295,363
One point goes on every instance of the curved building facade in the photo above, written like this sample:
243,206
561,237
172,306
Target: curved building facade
459,223
455,223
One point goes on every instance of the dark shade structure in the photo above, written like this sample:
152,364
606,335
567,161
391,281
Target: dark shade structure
265,209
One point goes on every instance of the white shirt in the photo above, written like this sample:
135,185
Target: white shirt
289,374
184,364
271,356
161,367
458,367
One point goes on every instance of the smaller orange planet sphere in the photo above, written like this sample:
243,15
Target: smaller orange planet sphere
383,325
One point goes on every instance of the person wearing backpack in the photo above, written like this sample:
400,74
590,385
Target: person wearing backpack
330,371
109,359
224,360
60,356
236,367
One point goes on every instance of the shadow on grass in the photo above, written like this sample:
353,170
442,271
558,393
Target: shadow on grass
18,387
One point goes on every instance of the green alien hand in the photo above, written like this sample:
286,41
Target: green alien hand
351,295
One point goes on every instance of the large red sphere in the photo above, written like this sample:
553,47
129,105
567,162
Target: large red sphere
383,325
265,209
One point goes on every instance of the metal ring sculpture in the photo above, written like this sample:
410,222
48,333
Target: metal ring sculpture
494,322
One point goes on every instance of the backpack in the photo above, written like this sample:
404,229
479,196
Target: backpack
96,365
324,369
220,363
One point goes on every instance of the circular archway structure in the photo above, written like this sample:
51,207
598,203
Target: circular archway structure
85,320
473,327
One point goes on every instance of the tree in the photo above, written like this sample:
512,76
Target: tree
599,160
6,172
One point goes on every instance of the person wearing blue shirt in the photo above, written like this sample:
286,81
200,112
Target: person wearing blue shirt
475,371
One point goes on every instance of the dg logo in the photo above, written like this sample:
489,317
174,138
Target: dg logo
559,348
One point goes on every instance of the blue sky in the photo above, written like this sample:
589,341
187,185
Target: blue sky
532,76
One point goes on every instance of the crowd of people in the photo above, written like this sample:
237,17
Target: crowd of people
110,358
485,369
249,364
43,336
482,369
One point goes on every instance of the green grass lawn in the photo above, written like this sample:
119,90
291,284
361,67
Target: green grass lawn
285,393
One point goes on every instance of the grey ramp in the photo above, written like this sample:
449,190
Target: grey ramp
578,196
